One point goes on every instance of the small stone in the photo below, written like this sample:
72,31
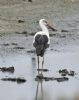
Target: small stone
62,79
21,21
29,0
64,31
14,43
71,73
6,44
64,71
31,51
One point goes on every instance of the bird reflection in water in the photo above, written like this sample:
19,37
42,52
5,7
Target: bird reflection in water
39,90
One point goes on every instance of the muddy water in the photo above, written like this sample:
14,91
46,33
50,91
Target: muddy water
25,66
62,54
17,50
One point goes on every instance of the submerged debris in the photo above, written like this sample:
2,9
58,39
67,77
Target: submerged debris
44,70
31,51
18,80
62,79
14,43
59,79
9,69
63,36
21,21
18,48
54,34
72,73
64,30
29,0
6,44
65,72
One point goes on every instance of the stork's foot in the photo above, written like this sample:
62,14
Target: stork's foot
40,76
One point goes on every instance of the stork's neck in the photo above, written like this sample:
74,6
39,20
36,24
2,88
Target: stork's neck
44,28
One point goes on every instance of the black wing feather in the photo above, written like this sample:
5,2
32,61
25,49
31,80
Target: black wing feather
40,44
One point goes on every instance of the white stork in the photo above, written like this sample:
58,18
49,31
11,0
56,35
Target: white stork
41,40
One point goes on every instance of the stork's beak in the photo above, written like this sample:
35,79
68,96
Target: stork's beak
50,27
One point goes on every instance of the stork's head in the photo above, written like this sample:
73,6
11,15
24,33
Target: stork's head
44,22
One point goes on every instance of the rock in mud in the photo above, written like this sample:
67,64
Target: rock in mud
62,79
29,0
40,77
65,72
21,21
52,34
6,44
18,80
59,79
63,36
31,51
72,73
9,69
49,78
64,30
19,48
14,44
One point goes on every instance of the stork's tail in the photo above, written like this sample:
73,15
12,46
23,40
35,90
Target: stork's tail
40,49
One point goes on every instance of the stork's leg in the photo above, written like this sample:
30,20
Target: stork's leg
38,63
42,63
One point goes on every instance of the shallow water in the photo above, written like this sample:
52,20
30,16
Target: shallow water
26,66
62,54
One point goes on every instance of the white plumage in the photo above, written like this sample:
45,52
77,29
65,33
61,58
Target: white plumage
41,39
43,24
